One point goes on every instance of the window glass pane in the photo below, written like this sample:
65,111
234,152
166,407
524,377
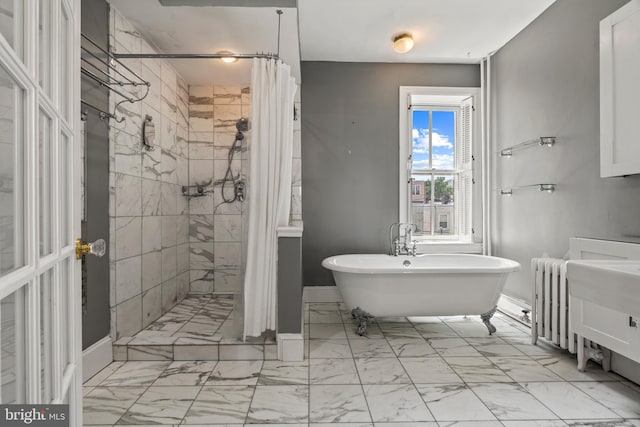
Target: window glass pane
443,139
11,176
46,336
443,205
12,348
65,61
65,308
10,23
65,190
44,45
46,183
420,140
421,204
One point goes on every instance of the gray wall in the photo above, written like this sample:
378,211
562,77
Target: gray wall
350,153
95,318
289,285
546,83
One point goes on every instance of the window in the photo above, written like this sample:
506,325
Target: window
439,164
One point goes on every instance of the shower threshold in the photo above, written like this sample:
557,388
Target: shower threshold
200,327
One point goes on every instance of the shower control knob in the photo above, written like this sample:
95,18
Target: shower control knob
97,248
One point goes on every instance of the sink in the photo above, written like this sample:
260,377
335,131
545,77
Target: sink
614,284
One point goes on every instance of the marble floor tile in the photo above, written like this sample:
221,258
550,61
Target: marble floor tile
279,404
275,372
393,403
540,423
325,315
410,347
464,329
452,347
621,399
371,348
381,371
524,369
337,404
451,402
566,368
186,373
470,424
329,349
161,405
220,405
493,346
105,405
235,372
328,331
136,374
341,425
511,401
103,374
333,371
477,370
603,423
435,330
567,401
409,424
429,370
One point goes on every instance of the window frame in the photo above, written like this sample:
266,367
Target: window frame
468,243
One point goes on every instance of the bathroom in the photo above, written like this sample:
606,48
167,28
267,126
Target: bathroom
175,322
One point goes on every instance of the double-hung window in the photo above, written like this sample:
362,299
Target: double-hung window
439,177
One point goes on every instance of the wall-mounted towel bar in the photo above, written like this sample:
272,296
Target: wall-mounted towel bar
547,188
107,71
101,113
541,141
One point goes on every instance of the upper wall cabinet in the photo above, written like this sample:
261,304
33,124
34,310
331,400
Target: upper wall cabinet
620,92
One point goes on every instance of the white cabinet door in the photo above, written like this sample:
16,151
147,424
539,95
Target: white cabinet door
620,91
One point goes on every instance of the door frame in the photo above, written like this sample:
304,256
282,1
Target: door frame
62,104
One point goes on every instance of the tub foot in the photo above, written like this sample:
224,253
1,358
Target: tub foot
363,318
486,319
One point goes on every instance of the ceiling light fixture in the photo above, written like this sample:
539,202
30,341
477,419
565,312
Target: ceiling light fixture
227,59
403,42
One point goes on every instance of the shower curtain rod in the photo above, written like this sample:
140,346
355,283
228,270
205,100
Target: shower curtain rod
194,55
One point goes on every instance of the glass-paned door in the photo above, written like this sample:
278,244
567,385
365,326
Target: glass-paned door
40,342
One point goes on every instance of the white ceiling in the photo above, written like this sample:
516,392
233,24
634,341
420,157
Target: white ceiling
443,30
186,29
461,31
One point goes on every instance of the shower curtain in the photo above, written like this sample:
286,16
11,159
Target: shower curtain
272,95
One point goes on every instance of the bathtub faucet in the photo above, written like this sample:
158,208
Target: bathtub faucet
402,244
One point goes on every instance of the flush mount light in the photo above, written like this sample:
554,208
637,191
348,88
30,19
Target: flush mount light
227,59
403,42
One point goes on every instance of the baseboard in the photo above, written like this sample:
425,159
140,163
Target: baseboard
513,307
321,294
96,357
290,347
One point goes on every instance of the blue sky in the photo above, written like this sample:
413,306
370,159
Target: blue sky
443,139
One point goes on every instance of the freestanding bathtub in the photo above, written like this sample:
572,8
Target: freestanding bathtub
423,285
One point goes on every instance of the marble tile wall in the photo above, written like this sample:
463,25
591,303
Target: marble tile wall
215,227
218,230
149,225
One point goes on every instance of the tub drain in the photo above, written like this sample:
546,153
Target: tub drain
407,263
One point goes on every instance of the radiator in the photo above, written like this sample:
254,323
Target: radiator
550,303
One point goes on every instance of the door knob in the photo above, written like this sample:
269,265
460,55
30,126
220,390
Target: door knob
97,248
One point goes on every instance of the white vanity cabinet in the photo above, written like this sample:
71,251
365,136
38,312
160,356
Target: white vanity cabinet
620,92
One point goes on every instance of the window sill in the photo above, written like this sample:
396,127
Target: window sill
435,247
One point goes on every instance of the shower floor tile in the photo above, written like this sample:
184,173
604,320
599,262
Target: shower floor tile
421,372
198,328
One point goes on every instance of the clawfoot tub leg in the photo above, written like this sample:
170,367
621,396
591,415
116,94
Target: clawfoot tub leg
363,318
486,319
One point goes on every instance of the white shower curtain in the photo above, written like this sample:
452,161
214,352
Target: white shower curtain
272,95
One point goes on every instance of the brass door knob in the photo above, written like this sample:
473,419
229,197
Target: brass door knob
97,248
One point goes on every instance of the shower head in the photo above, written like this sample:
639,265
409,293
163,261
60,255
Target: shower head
242,124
